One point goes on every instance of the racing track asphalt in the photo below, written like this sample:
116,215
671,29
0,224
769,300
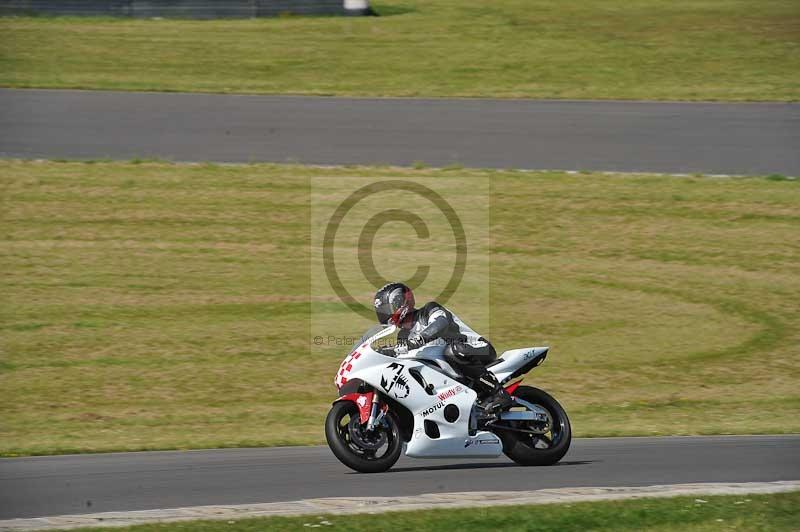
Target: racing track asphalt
74,484
623,136
726,138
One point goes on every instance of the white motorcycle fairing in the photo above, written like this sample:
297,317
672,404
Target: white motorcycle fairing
424,383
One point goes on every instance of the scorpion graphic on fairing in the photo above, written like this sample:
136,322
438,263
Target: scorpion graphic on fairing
398,383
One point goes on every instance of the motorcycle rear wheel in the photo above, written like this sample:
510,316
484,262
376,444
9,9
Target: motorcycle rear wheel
538,449
343,430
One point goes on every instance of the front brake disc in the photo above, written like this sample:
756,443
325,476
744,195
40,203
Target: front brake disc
368,441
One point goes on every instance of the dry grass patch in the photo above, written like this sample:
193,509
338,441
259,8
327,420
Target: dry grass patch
168,306
615,49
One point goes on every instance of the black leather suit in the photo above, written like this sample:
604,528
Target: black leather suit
467,351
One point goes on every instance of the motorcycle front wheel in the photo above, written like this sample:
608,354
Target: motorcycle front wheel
541,443
355,447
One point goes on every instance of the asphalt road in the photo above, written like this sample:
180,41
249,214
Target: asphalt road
58,485
624,136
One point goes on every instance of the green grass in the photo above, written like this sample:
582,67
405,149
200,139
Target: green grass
617,49
158,305
765,513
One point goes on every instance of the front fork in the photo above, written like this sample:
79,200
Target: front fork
376,413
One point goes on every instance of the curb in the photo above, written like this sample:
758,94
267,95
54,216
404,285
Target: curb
355,505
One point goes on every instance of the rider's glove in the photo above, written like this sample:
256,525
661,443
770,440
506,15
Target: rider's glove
415,341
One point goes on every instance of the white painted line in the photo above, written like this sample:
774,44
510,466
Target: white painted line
354,505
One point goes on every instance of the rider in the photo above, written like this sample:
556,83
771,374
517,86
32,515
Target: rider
465,350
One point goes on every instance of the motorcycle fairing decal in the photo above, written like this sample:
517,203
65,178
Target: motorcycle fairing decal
396,382
431,409
483,441
443,397
345,368
451,392
363,401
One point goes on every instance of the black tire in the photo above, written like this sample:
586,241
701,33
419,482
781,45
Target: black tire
348,452
522,448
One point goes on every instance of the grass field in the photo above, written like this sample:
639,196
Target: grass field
765,513
618,49
159,305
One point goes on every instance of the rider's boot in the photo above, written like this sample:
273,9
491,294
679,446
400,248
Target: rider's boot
492,397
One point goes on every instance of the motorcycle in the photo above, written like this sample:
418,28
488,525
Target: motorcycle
394,401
